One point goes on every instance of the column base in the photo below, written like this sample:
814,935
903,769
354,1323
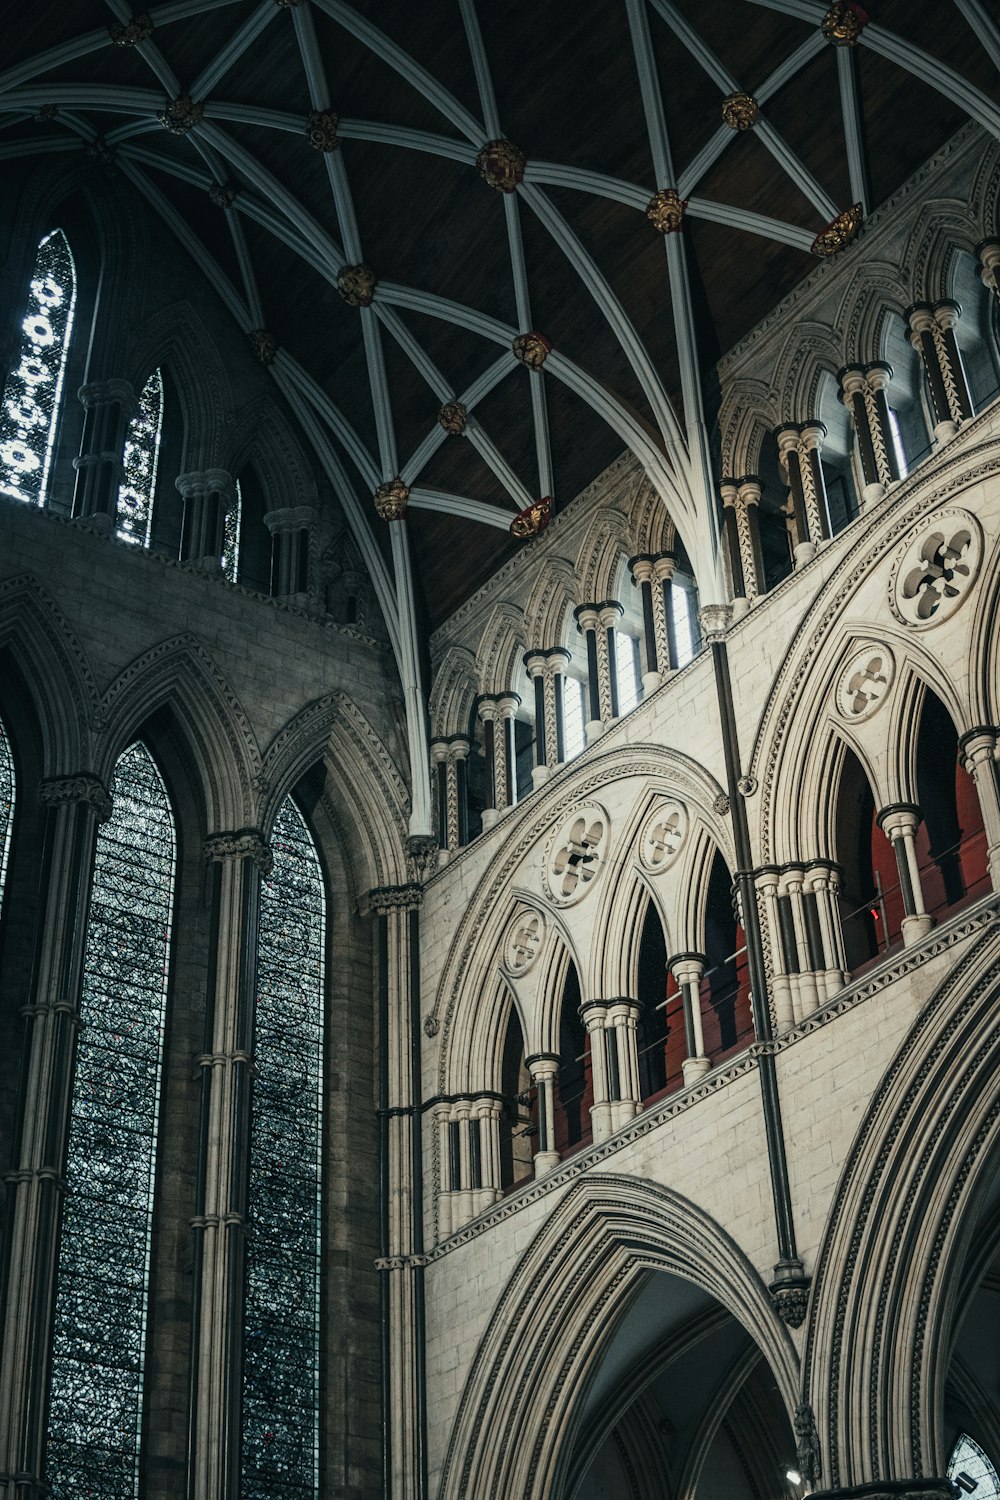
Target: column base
622,1111
650,682
593,730
490,816
740,608
98,521
545,1161
872,494
834,979
915,928
695,1068
784,1012
804,553
600,1122
944,432
444,855
539,776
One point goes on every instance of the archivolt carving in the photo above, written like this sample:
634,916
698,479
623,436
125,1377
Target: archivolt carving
874,1308
175,338
514,1426
180,673
809,350
876,290
607,540
944,225
556,589
748,414
500,649
454,692
55,670
263,436
652,526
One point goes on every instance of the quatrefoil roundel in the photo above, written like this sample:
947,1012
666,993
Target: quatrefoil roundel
662,836
934,573
523,942
864,683
576,853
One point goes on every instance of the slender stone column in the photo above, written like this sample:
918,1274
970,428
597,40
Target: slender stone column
237,861
804,548
922,328
663,612
207,498
781,981
621,1022
899,823
486,1116
497,713
741,497
804,988
688,969
956,381
611,613
439,776
291,530
462,1119
737,572
821,882
535,665
594,1013
544,1070
557,659
402,1259
442,1127
811,435
979,753
641,569
109,405
458,791
989,264
74,806
862,390
598,622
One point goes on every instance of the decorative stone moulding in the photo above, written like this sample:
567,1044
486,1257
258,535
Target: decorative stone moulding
356,284
740,111
574,856
532,519
321,129
223,194
864,683
662,836
843,23
391,498
181,115
264,346
532,349
934,572
453,417
502,165
523,942
665,210
839,232
131,33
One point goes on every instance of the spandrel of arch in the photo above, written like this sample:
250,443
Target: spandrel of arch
281,1372
971,1470
134,516
7,790
99,1337
231,536
29,411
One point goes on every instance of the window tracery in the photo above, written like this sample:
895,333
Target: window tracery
141,456
98,1346
231,537
972,1471
29,411
6,805
281,1380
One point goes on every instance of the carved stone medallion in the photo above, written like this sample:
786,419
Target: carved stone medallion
575,854
523,942
934,573
662,836
865,682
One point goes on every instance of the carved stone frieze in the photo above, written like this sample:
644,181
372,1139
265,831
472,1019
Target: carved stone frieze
808,1454
386,898
181,115
790,1303
421,855
246,843
501,164
356,284
665,210
934,573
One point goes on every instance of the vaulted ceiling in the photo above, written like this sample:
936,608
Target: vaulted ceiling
608,101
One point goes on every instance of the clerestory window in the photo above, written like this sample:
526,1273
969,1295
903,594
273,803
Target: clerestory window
134,516
32,394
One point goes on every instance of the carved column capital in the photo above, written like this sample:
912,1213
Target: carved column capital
384,899
245,843
81,786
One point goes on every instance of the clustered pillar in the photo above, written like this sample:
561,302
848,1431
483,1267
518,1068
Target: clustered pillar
469,1147
688,970
544,1070
109,405
547,671
740,501
497,710
208,496
979,750
654,573
599,623
614,1063
802,920
291,531
899,822
799,447
863,391
74,807
932,334
449,757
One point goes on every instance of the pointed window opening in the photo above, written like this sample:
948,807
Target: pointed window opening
6,805
972,1471
281,1372
134,518
231,537
29,411
99,1338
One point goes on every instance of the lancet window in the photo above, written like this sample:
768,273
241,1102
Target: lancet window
29,411
231,537
972,1471
6,805
281,1379
99,1338
140,459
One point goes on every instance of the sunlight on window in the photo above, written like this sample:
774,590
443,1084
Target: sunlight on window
573,699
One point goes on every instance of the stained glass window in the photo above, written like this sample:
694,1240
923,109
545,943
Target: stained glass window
231,537
134,517
6,804
574,735
98,1349
281,1382
30,407
972,1471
